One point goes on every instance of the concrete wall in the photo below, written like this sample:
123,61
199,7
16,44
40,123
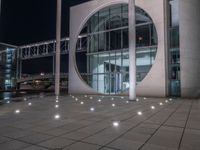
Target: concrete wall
190,47
154,83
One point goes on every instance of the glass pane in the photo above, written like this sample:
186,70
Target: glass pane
115,16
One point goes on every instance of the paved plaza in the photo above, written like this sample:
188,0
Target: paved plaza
100,123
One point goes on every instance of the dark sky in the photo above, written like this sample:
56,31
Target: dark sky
29,21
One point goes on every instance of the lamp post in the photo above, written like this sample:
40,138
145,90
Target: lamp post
132,50
58,37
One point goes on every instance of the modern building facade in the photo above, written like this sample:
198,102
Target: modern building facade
167,48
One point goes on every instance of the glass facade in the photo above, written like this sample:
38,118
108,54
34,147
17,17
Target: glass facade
174,48
104,61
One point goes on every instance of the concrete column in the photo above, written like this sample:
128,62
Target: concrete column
132,51
58,37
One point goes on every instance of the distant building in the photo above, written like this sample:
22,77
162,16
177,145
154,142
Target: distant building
7,66
167,48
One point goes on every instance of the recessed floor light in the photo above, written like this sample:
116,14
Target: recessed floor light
127,102
25,99
166,101
122,97
57,101
145,98
76,99
137,100
57,116
139,113
113,105
99,100
56,106
152,107
17,111
82,103
170,99
8,102
160,104
116,124
91,97
92,109
85,95
112,98
72,96
29,104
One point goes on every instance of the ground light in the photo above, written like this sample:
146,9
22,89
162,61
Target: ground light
92,109
112,98
127,102
122,97
57,116
113,105
29,104
82,103
56,106
91,97
85,96
76,99
99,100
116,124
166,101
8,102
137,100
170,99
25,99
17,111
139,113
57,101
160,104
153,107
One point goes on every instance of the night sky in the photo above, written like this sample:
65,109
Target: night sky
29,21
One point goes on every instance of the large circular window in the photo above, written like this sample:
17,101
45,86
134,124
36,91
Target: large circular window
102,55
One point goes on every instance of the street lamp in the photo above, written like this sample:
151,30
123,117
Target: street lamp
132,51
58,37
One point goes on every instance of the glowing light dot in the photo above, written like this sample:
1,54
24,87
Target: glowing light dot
145,98
56,106
127,102
112,98
160,104
85,95
170,99
137,100
8,102
17,111
29,104
99,100
82,103
72,96
57,101
115,124
57,116
76,99
92,109
91,97
25,99
166,101
122,97
113,105
153,107
139,113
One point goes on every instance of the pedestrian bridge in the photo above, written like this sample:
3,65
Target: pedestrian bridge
28,78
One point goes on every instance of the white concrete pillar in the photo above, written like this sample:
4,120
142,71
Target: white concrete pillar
58,37
132,51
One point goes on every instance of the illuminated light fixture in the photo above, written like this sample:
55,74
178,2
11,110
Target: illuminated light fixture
153,107
137,100
127,102
8,102
56,106
72,96
76,99
122,97
82,103
57,101
170,99
116,124
42,74
166,101
113,105
112,98
160,104
57,97
25,99
92,109
145,98
91,97
29,104
99,100
85,96
139,113
17,111
57,116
